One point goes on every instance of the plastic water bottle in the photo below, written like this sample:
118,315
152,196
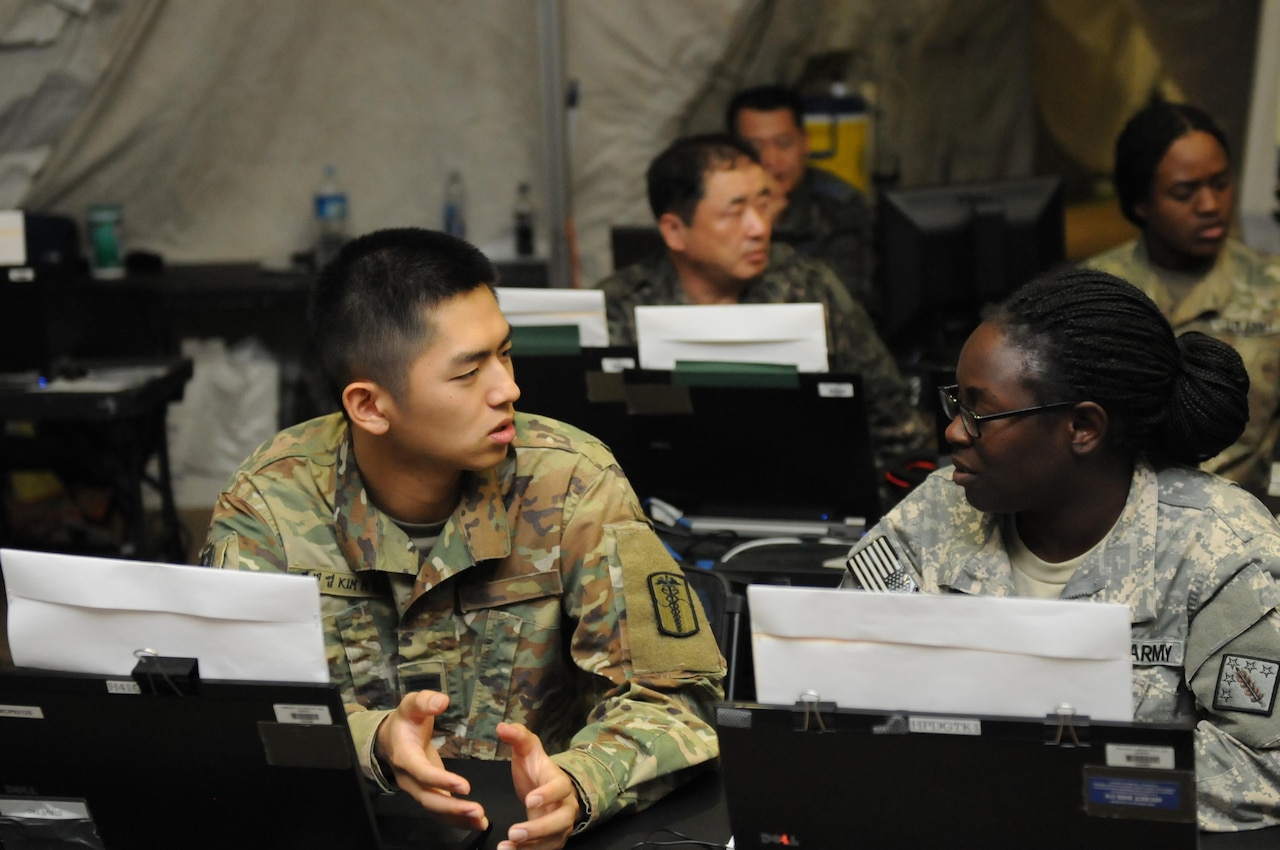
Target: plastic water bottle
455,206
331,217
524,221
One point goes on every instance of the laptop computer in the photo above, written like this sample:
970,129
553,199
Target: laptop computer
583,388
756,460
814,776
232,764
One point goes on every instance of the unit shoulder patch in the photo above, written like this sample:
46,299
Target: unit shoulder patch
1246,684
672,605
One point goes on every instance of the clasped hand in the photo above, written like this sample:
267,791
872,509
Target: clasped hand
550,801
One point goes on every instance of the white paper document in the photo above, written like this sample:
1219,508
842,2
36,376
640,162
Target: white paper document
541,307
791,334
91,615
941,653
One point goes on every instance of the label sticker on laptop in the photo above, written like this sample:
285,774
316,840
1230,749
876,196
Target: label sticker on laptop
1136,755
945,725
30,712
123,686
617,364
306,715
835,389
1165,795
38,809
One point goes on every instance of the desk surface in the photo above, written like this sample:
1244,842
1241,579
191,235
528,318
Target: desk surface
108,390
698,811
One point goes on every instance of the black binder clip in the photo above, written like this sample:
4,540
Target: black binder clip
1065,728
160,675
809,710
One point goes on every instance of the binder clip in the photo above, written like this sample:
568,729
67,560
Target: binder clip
1065,728
160,675
809,710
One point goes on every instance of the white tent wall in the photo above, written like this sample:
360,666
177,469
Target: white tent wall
211,120
954,83
216,130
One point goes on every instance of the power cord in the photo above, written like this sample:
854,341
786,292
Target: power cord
682,840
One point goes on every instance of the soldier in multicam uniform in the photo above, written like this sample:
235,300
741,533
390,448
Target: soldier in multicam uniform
485,575
1173,177
820,215
712,200
1075,429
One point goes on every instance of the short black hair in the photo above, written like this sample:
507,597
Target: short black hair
677,177
764,99
370,308
1144,141
1091,336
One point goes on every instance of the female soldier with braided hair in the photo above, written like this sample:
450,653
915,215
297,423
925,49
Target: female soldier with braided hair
1075,429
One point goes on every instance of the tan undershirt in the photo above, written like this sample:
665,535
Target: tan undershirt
1032,576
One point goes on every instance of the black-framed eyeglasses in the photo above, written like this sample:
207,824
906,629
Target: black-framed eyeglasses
972,422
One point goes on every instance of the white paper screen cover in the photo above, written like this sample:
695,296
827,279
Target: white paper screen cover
941,653
790,334
525,307
80,614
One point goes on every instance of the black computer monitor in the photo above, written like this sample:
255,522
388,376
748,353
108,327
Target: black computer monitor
946,251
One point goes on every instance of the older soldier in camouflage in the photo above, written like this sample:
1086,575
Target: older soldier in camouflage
1074,425
540,596
713,204
1173,175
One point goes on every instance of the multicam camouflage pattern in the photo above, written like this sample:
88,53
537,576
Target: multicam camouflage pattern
530,608
829,220
852,341
1197,561
1238,302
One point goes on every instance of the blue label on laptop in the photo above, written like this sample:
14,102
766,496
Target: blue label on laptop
1139,793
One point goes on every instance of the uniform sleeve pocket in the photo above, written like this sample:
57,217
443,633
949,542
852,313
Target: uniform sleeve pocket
1233,657
666,628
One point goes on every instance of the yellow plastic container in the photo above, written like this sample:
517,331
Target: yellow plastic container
838,128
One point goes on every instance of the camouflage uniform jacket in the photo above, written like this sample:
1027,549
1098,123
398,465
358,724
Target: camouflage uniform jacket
546,600
1238,302
829,220
852,341
1197,561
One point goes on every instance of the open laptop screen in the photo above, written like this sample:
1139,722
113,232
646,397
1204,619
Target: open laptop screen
800,452
837,778
235,764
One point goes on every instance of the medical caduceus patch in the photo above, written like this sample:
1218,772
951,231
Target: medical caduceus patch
673,605
1246,684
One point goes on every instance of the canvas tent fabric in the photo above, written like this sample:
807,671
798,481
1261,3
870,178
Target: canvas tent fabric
211,121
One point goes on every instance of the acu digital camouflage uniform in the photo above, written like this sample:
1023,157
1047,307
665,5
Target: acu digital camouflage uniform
1238,302
852,342
827,219
1196,560
547,600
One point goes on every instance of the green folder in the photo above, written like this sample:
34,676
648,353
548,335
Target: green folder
719,374
545,339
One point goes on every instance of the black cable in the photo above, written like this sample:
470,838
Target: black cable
682,841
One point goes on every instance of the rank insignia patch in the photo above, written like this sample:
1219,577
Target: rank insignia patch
1246,684
673,605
